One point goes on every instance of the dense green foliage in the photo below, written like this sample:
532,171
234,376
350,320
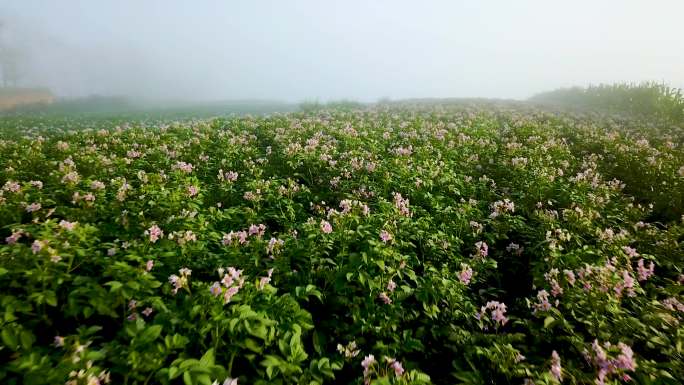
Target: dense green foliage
398,245
652,100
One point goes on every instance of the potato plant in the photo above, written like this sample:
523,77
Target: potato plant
399,244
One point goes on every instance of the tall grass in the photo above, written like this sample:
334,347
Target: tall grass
648,99
340,105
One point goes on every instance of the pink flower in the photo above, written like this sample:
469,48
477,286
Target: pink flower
366,363
180,282
242,237
33,207
133,154
556,289
71,177
498,316
607,365
149,265
12,239
11,186
326,227
385,236
625,360
37,246
365,210
401,204
228,238
556,366
501,207
273,245
386,299
185,167
257,230
67,225
398,369
215,289
645,273
673,303
250,196
543,303
185,237
570,277
404,151
147,311
230,293
481,249
227,280
631,252
626,284
476,226
228,176
346,206
192,191
498,309
155,233
263,281
466,274
391,285
175,281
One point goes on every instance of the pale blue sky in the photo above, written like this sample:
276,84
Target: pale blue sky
295,50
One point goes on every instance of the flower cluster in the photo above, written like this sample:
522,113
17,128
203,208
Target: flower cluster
611,361
497,312
402,204
182,281
502,207
348,351
241,237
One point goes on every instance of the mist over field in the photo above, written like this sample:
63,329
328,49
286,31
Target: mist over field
361,50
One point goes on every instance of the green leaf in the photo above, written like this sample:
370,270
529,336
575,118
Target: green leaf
27,339
9,338
187,378
50,298
548,321
114,285
173,372
252,345
203,379
207,359
150,334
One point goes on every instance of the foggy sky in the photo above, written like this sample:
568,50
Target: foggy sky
363,50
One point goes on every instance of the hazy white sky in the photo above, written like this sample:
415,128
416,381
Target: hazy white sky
360,49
